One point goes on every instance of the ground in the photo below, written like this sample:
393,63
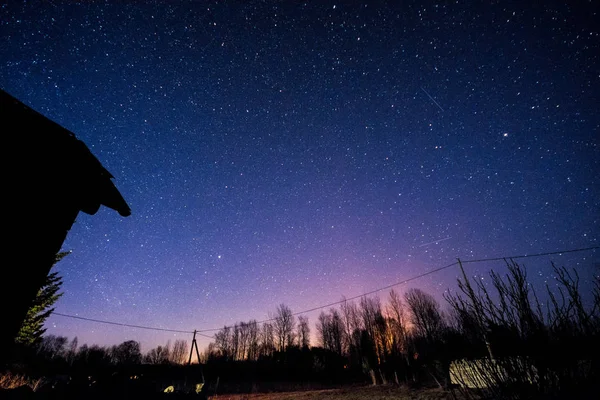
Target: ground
353,393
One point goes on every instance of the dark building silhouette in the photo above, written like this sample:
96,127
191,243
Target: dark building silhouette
49,176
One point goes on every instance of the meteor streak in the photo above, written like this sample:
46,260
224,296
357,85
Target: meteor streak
435,241
432,99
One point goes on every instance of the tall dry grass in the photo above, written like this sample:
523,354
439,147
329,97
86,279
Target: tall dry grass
525,347
9,380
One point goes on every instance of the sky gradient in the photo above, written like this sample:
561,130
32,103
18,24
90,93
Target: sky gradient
297,152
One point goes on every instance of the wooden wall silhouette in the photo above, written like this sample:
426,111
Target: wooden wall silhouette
49,177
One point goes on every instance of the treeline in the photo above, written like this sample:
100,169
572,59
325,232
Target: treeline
250,341
364,341
499,340
496,340
54,367
57,354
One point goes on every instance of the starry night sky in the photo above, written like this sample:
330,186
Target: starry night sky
297,152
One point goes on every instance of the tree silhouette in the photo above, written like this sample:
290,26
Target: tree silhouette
33,329
284,327
267,339
330,330
426,316
178,352
159,355
303,332
127,353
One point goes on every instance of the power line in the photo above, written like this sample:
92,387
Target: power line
531,255
206,336
351,298
199,332
120,324
420,276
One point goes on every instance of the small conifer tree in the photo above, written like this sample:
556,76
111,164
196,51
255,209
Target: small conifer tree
33,329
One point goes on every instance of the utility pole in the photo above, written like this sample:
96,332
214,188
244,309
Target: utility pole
194,344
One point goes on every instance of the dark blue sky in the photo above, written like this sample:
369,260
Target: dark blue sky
297,152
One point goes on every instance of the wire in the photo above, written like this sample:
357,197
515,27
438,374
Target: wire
531,255
383,288
199,331
351,298
206,336
120,324
420,276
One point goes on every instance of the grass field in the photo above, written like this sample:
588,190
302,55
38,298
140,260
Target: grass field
351,393
380,392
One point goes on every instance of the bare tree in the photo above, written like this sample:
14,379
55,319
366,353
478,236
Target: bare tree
127,353
253,340
284,327
223,342
370,309
52,346
337,331
525,339
383,338
178,352
93,356
235,342
243,341
322,326
72,352
211,353
267,339
303,332
373,321
330,328
352,326
158,355
426,316
398,321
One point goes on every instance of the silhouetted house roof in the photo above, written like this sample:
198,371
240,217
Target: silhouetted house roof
49,176
50,155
